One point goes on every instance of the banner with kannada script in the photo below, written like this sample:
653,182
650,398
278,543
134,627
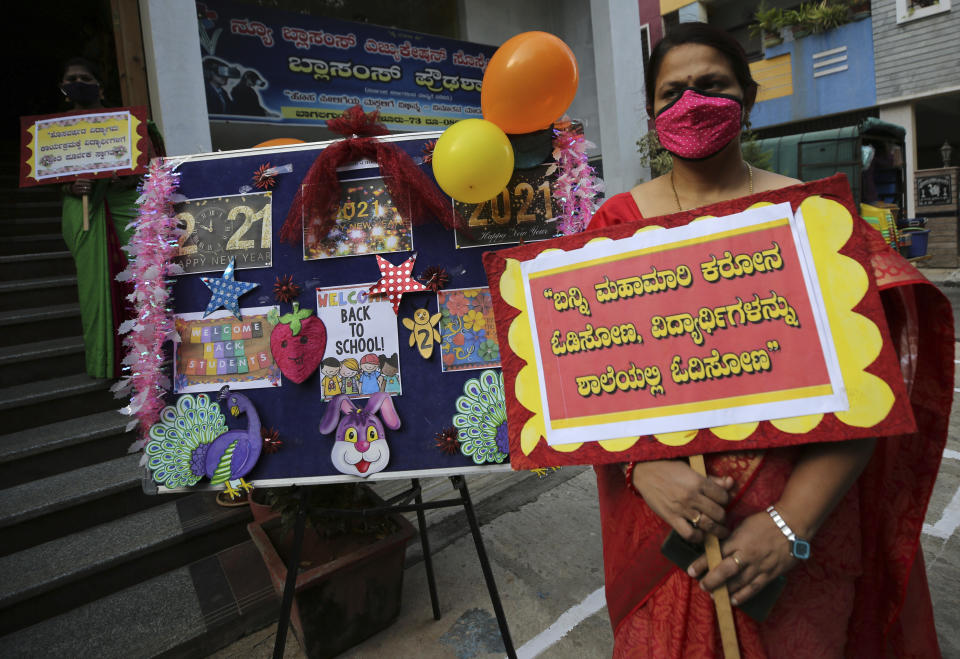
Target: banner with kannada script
703,325
266,65
56,148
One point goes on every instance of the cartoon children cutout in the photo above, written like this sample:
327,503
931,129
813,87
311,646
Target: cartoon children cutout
330,367
349,369
370,374
389,374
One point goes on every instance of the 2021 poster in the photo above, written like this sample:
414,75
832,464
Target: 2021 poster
524,211
367,222
217,229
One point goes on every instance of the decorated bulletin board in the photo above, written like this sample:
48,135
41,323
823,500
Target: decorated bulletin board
455,393
82,144
639,344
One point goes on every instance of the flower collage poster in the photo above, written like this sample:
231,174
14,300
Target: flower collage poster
468,338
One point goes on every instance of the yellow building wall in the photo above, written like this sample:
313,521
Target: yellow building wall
774,75
667,6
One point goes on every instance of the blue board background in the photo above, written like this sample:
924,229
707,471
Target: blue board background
427,404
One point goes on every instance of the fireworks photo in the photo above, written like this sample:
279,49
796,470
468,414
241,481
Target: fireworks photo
367,223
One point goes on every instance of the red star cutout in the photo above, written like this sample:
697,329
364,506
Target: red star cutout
395,280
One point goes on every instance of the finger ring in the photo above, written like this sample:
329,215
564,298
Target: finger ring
696,520
737,561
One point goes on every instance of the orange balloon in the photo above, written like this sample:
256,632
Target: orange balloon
279,141
529,83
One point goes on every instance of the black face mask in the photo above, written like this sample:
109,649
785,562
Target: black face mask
82,93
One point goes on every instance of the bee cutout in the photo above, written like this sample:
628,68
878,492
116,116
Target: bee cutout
423,331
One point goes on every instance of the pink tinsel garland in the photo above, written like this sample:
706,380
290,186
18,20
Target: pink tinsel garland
576,188
150,251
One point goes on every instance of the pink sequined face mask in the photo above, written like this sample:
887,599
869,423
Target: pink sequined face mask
698,125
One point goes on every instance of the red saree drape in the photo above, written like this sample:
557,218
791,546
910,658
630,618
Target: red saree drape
864,592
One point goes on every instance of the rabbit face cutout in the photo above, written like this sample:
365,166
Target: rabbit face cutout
361,446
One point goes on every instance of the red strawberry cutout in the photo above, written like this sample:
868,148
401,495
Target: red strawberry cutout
298,343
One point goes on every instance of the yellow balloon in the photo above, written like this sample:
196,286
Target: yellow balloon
473,160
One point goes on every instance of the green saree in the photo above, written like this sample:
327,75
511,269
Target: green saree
99,258
112,208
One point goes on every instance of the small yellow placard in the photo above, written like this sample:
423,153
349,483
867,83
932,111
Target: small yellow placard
82,145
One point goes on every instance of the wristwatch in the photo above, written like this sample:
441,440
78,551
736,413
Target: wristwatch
799,548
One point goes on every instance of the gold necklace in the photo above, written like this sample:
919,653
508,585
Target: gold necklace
676,197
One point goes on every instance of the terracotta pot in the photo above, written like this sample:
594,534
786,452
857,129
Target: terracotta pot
348,588
261,512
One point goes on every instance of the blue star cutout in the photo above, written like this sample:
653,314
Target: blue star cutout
225,290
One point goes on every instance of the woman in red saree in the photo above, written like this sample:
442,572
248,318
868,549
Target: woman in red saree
859,504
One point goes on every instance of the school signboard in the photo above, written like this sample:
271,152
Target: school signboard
266,65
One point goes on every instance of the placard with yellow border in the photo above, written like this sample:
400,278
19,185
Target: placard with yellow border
63,147
836,269
702,325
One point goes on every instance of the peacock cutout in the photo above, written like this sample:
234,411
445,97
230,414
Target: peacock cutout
192,441
481,419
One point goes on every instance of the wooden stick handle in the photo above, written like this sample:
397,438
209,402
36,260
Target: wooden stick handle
721,597
86,213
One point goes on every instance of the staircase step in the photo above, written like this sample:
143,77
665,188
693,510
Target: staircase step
69,570
37,292
49,495
190,611
54,321
42,264
50,194
36,403
33,206
60,435
19,226
31,243
45,509
41,360
53,312
59,447
33,393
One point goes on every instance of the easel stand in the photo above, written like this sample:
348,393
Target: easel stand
400,503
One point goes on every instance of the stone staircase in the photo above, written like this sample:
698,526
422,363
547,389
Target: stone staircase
90,565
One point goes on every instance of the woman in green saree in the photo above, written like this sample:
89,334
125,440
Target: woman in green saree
97,251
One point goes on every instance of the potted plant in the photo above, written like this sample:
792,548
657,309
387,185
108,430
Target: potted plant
351,565
816,17
859,9
653,155
767,24
261,508
825,16
797,20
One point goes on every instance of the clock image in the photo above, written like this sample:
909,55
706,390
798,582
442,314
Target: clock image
216,229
